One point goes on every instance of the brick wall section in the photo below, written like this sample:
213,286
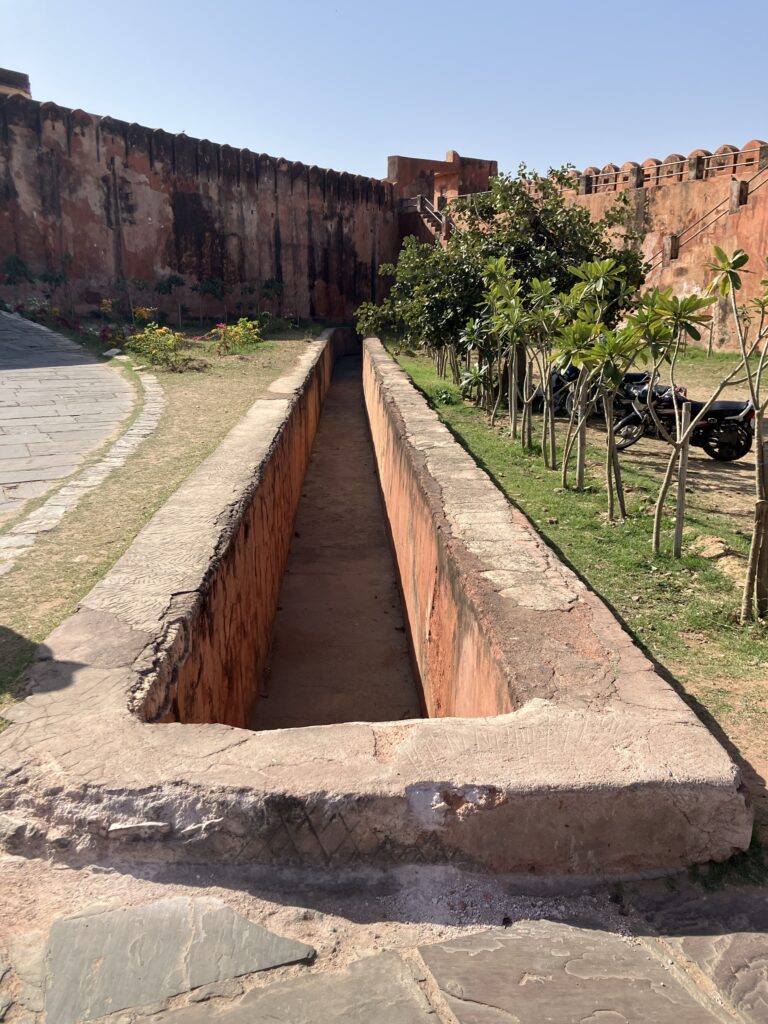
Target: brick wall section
124,200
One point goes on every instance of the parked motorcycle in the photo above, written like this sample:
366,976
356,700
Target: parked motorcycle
562,391
725,432
633,388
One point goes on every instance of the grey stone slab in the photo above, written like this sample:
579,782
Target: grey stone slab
26,461
15,451
724,932
15,434
63,469
546,971
24,491
53,447
26,412
107,960
377,990
88,437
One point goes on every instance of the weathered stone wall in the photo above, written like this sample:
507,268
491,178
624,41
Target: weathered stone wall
120,201
460,671
215,655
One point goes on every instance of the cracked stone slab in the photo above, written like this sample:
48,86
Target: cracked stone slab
106,960
724,933
378,990
546,971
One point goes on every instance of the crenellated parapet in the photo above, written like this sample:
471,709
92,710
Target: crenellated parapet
700,165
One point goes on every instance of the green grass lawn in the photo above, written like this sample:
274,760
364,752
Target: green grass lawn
683,612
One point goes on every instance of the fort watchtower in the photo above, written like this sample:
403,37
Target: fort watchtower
14,83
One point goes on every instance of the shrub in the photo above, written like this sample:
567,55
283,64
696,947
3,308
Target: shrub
240,337
146,314
160,346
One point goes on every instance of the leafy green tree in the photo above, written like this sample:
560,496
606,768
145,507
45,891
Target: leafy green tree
525,219
665,323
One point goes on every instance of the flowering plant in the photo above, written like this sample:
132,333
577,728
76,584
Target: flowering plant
160,346
240,337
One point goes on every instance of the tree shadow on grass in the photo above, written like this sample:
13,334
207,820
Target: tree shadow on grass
16,654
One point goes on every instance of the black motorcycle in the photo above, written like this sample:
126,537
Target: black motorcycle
562,391
725,432
633,388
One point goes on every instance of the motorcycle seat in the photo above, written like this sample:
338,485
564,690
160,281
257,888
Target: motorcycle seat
731,408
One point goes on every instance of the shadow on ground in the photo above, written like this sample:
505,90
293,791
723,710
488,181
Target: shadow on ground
16,653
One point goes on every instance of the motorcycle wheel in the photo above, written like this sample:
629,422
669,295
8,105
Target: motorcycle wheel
627,434
727,444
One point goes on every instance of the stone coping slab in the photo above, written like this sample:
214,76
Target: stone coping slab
618,779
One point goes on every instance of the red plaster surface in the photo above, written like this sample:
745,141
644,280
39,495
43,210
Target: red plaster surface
126,201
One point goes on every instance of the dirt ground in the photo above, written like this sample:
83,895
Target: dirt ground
716,487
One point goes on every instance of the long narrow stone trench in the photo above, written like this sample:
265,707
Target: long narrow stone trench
340,649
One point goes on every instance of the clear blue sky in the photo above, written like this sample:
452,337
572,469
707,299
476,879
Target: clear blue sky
344,83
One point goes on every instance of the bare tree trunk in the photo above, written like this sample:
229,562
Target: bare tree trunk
552,434
609,483
570,441
500,392
755,597
512,374
755,557
581,447
454,364
761,580
660,501
613,469
529,404
682,475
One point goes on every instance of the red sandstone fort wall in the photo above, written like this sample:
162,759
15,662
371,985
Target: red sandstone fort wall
118,200
687,205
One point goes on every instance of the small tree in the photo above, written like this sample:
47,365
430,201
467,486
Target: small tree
167,286
214,286
666,322
753,352
603,292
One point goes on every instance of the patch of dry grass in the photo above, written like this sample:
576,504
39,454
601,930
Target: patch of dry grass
201,407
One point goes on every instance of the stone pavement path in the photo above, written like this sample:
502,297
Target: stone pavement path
57,404
685,957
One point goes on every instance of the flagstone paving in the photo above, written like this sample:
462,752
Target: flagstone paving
57,404
681,955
